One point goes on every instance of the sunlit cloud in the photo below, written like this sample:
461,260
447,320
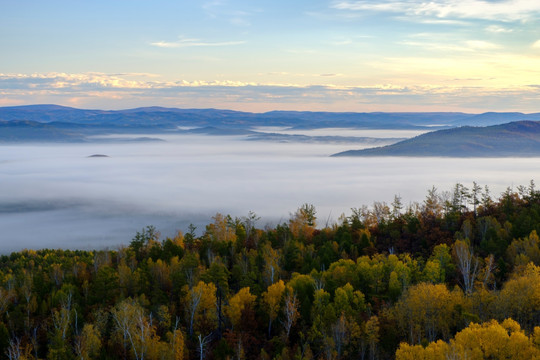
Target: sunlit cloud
433,46
498,29
465,46
193,43
301,51
536,44
342,42
481,45
506,10
433,21
472,91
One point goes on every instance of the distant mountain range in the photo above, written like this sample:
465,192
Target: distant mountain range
172,117
53,123
520,139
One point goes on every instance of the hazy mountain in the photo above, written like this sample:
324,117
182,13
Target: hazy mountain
59,123
513,139
21,130
493,118
171,117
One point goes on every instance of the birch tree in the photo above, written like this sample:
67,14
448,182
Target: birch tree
467,264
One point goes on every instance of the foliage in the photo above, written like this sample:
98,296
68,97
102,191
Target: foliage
454,277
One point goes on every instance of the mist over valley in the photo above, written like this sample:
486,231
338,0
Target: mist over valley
55,196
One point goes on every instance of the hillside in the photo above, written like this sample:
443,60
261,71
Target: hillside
520,138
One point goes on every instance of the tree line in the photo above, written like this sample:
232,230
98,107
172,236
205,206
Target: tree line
455,276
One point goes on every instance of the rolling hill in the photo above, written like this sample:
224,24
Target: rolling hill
54,123
173,117
520,139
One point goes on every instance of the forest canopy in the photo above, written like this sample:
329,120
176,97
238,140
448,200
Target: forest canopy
455,276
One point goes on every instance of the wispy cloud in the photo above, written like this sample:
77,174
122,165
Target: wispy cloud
536,44
182,42
498,29
240,21
220,9
211,8
481,45
461,46
505,10
301,51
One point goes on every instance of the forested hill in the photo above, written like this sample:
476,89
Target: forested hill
454,277
519,139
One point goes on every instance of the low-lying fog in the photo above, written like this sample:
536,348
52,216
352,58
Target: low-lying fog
341,132
54,195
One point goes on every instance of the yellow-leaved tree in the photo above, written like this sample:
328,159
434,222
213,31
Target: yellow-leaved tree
88,343
201,307
426,311
520,297
237,304
272,301
490,340
302,223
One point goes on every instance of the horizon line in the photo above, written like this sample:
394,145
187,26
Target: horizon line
265,112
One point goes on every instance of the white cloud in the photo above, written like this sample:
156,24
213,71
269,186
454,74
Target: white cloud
467,46
239,21
481,45
98,90
536,44
437,46
98,203
193,42
505,10
498,29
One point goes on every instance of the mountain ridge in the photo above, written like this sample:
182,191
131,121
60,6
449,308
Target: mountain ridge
521,138
167,116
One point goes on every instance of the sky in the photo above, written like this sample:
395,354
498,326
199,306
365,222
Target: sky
321,55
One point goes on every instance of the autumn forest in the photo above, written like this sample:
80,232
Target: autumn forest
456,276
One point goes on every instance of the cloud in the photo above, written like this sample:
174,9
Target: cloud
97,90
505,10
84,81
301,51
72,201
193,43
466,46
498,29
536,44
481,45
240,21
219,9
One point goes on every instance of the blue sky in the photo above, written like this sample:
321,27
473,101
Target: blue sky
333,55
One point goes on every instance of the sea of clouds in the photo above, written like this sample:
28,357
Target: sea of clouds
56,196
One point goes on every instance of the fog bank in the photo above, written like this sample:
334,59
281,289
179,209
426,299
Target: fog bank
55,196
